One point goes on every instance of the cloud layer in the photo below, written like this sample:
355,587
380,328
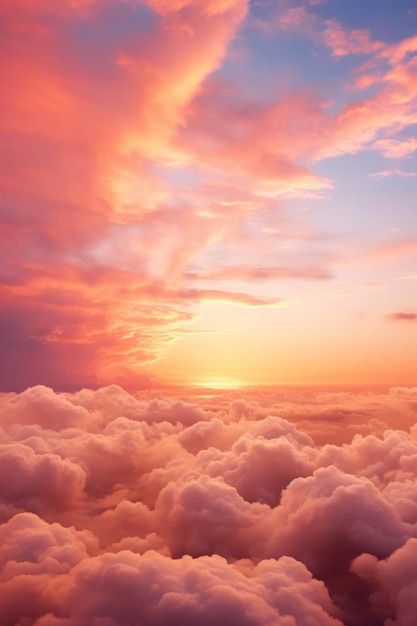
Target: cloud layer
252,509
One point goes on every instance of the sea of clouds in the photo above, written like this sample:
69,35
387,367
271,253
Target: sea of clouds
289,507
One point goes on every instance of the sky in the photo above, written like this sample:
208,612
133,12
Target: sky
208,313
208,192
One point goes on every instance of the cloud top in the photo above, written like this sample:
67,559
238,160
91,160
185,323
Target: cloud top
259,508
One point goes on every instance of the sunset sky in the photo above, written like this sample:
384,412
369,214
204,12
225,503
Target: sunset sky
208,192
208,312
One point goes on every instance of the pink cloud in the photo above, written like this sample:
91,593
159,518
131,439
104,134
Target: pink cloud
300,17
291,16
259,141
402,316
393,172
218,295
81,125
224,502
343,42
398,247
269,142
98,251
394,579
359,125
261,273
398,51
396,149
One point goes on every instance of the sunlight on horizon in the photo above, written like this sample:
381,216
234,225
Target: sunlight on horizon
218,383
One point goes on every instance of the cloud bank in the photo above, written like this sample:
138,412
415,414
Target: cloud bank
294,508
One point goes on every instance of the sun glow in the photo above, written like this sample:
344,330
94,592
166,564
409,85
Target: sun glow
220,383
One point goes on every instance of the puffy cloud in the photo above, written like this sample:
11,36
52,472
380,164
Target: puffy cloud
38,482
110,590
260,467
32,546
151,508
188,512
395,582
40,405
35,553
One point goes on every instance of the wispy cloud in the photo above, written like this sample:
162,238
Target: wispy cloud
254,274
344,41
127,158
396,247
391,173
401,316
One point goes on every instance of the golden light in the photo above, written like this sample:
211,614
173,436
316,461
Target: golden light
219,383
